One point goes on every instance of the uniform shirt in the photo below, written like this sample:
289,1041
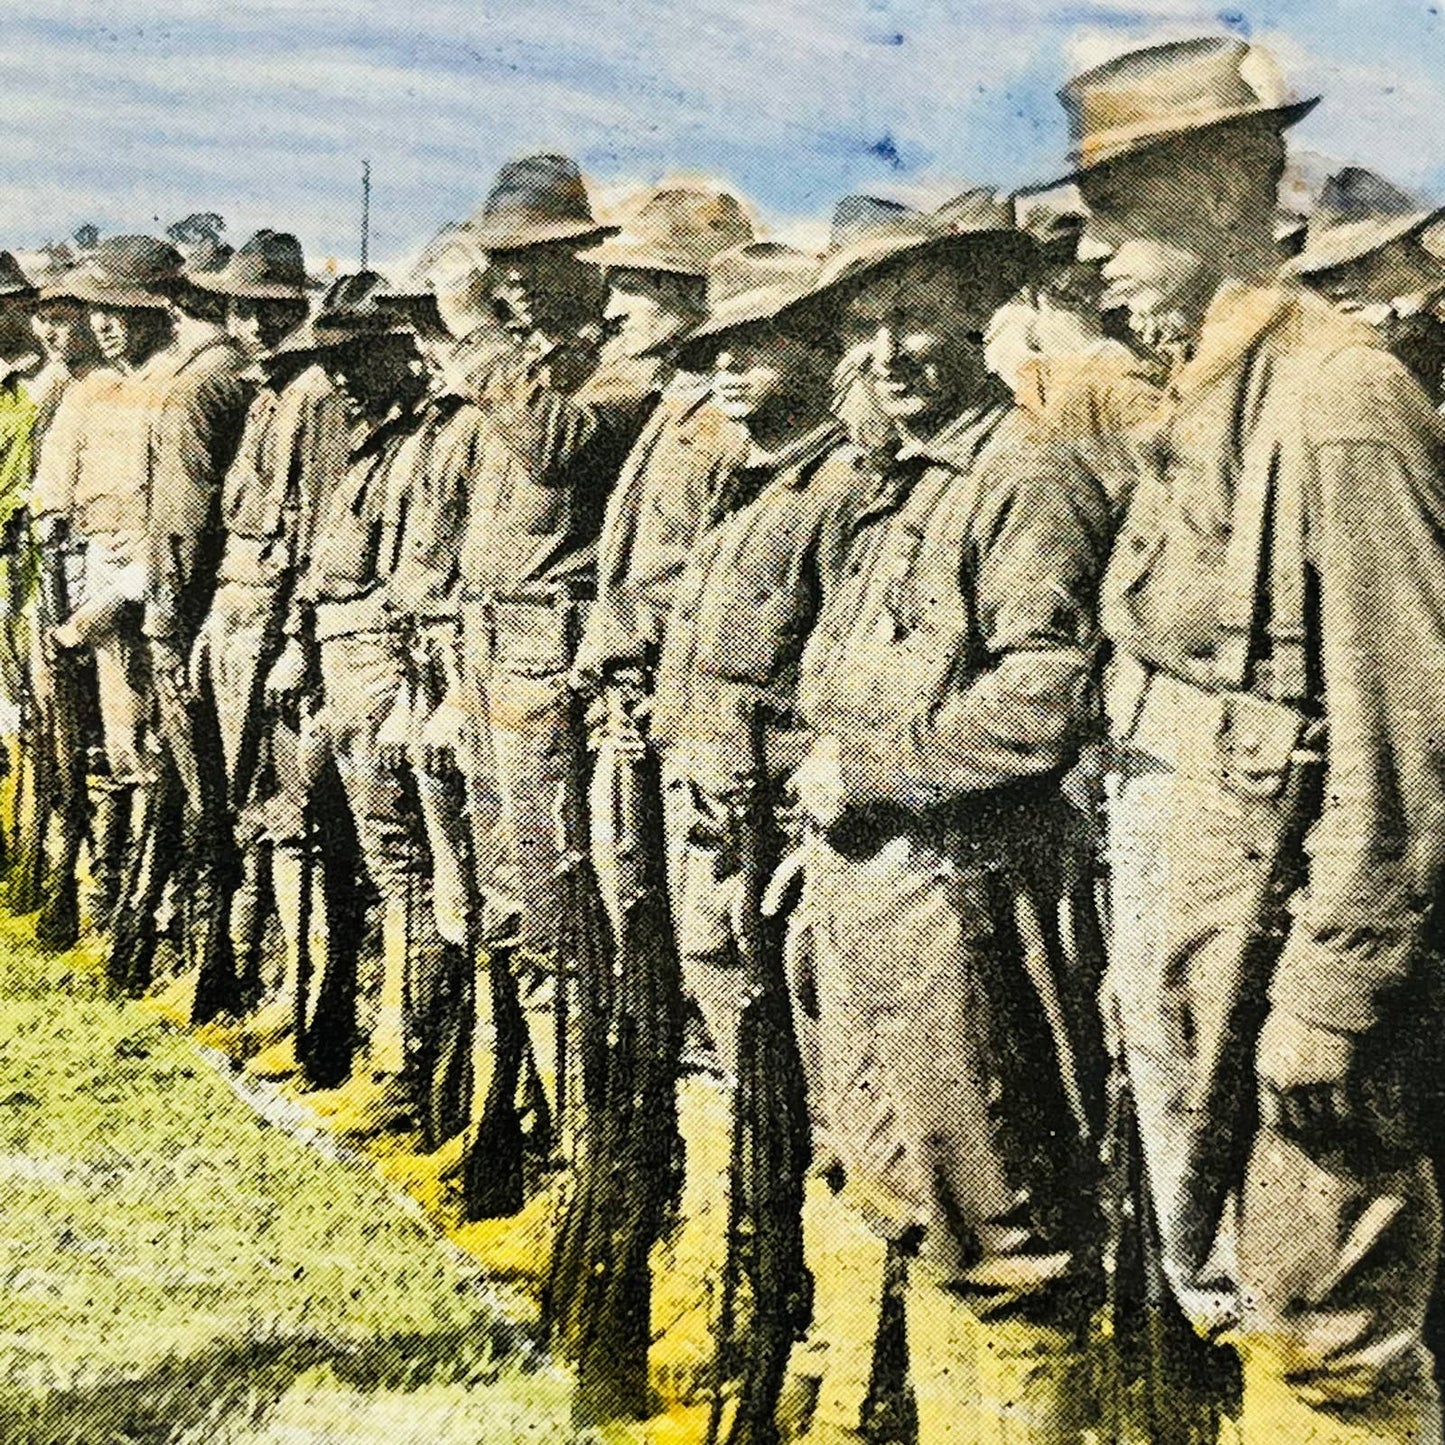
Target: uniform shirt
356,545
137,458
428,507
548,460
1284,392
749,595
955,654
19,417
665,496
291,458
199,394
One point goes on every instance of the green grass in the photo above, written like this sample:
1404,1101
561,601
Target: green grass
175,1269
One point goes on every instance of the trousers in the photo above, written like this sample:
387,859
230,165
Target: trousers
1315,1258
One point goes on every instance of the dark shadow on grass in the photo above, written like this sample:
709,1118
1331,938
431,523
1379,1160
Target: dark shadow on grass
237,1383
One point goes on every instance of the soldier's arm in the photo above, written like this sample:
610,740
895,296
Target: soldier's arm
194,438
1040,542
1377,519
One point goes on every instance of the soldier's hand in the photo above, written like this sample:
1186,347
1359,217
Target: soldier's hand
171,668
67,636
1306,1075
288,681
818,783
443,736
393,741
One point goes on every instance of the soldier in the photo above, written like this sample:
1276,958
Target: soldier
290,459
558,427
946,688
344,658
747,597
69,354
1364,250
1276,708
656,272
130,494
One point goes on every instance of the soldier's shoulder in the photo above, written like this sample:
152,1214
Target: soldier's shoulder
1355,388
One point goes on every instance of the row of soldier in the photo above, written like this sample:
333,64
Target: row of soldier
650,648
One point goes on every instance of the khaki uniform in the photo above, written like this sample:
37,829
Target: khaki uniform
363,672
951,924
547,461
1276,601
292,456
668,492
744,608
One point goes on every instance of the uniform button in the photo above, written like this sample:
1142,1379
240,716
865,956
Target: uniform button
1137,542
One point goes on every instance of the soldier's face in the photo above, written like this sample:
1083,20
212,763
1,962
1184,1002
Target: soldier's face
922,326
757,371
1164,224
60,328
127,335
544,288
259,326
648,309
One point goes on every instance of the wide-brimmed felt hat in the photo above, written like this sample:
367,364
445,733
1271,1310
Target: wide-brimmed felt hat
870,234
14,283
1357,214
122,271
677,229
355,308
535,201
761,281
1161,92
268,267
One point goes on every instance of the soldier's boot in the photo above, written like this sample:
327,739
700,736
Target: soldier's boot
111,808
378,1099
275,1021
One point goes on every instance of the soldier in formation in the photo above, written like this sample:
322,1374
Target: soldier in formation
974,695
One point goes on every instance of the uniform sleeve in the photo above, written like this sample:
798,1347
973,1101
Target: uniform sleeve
195,435
1377,519
59,461
1039,543
611,637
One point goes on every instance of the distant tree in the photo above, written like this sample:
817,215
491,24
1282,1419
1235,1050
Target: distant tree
86,237
198,229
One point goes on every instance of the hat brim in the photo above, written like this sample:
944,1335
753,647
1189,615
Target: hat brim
90,293
755,308
1347,244
621,255
488,241
1136,145
308,340
218,285
859,263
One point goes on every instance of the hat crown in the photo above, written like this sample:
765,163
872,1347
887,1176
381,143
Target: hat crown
859,218
1357,194
678,228
13,280
540,189
142,262
1168,89
756,267
269,257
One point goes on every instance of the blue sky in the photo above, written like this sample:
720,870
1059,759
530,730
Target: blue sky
131,113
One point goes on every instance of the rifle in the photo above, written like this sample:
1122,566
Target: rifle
598,1301
772,1144
58,925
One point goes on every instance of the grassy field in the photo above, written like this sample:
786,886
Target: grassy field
174,1268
